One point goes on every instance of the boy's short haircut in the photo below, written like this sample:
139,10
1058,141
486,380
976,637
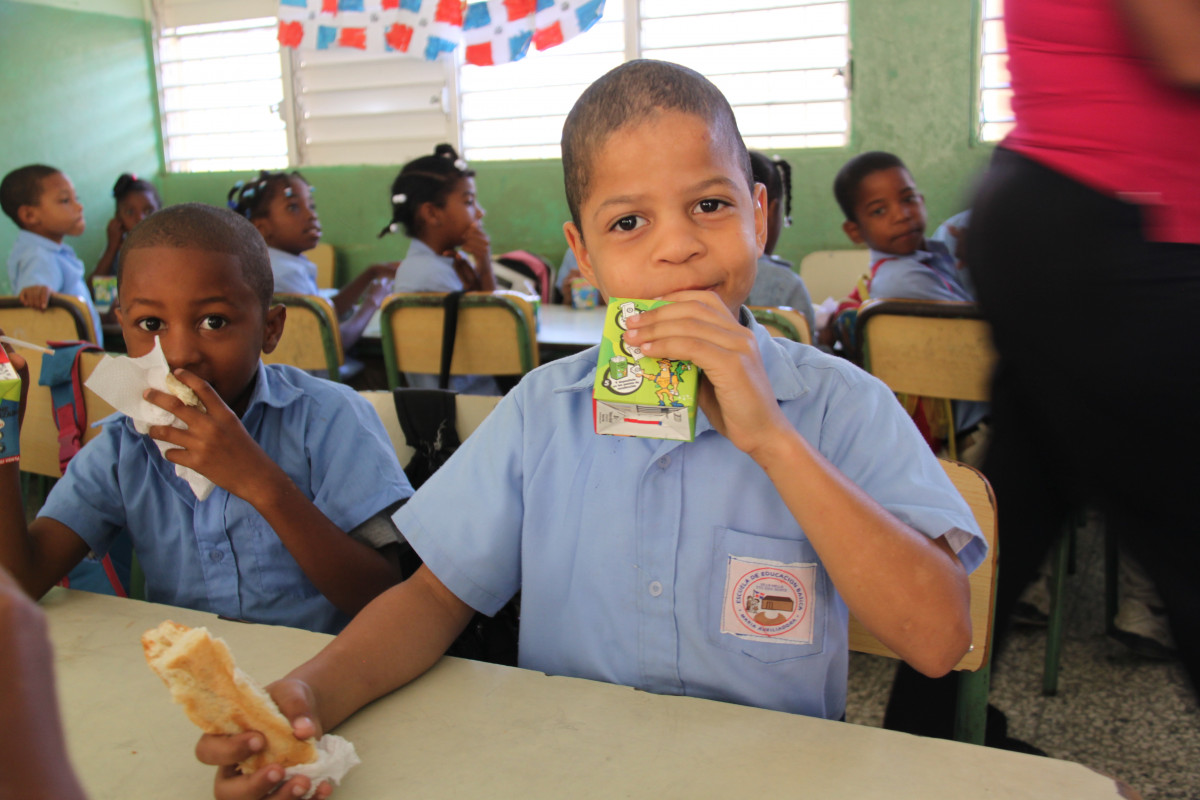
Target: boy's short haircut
198,226
630,94
23,187
852,173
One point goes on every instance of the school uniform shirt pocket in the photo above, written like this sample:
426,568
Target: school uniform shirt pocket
278,573
769,598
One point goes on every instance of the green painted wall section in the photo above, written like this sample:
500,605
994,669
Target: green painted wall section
77,92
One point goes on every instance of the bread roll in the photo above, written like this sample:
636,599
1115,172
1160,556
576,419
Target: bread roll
219,697
184,392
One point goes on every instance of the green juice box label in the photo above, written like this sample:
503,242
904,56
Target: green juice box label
10,407
635,394
104,292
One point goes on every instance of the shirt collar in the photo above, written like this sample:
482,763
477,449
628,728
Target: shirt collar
932,251
42,242
271,388
418,247
286,256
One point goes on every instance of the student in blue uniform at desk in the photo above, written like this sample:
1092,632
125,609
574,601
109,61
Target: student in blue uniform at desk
629,552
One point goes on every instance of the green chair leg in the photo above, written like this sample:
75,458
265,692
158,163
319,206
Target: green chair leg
970,714
137,579
1054,631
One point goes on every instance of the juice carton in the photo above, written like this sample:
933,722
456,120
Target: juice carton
104,292
583,294
635,395
10,407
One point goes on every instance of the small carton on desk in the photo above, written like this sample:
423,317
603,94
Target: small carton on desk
635,395
10,407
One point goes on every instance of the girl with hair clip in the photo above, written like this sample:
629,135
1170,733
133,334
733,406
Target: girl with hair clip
281,207
433,200
776,283
136,199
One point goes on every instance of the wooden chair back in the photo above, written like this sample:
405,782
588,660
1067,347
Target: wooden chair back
39,434
928,348
67,318
975,489
783,321
323,256
469,411
311,337
496,334
833,273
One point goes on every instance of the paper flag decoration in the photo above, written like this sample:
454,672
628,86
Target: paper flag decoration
492,31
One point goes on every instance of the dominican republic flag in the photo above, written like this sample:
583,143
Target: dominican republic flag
493,31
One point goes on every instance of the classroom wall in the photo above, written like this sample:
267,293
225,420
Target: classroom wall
77,92
914,68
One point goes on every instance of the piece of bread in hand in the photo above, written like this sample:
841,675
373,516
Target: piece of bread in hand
184,392
219,697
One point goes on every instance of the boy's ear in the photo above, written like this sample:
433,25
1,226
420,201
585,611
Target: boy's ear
273,329
27,216
853,231
575,240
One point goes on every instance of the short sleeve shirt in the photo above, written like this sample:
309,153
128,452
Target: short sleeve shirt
423,270
775,284
38,261
929,274
632,554
220,555
294,274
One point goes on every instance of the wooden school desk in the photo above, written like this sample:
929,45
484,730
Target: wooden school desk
468,729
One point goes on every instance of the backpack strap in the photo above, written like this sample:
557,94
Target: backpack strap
60,371
449,330
427,417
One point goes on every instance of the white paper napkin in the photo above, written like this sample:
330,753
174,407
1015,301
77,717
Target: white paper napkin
120,381
335,757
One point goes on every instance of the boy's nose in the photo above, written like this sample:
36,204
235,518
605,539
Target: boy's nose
677,242
180,349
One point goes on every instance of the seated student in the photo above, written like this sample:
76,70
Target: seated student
296,532
885,211
777,283
41,201
800,461
433,199
136,199
281,206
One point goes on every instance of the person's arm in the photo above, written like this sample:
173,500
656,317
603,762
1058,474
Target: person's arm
362,287
33,762
347,572
1169,34
392,641
40,554
907,589
115,235
479,247
352,328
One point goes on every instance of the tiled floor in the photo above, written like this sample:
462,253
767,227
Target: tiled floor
1116,713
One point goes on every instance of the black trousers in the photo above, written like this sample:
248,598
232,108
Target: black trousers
1096,397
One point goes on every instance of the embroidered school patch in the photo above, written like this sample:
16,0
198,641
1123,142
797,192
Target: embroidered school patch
768,601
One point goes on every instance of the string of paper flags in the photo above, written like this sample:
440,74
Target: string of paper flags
491,31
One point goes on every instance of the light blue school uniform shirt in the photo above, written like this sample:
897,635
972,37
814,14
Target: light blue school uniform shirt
626,550
423,270
294,274
220,555
929,274
38,261
775,284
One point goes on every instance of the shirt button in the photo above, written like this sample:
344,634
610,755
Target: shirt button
655,589
216,555
664,462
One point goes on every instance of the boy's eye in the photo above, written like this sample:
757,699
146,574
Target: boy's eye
632,222
150,324
710,205
213,322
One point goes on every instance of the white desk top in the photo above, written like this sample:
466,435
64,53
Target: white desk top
467,729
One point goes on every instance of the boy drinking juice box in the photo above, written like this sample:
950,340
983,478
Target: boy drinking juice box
636,395
10,406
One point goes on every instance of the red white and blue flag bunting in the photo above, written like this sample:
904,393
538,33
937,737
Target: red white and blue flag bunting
492,31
